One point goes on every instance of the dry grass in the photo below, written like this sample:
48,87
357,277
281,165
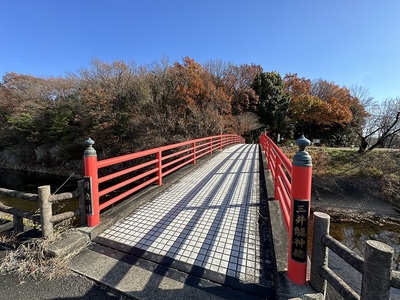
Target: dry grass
29,259
391,189
340,161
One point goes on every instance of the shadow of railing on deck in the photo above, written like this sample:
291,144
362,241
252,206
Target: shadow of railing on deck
197,265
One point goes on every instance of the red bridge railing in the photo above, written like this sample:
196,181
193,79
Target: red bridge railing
281,170
292,187
139,170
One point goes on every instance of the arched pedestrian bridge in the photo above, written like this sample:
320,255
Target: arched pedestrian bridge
210,230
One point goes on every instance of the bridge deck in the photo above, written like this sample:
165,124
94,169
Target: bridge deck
209,224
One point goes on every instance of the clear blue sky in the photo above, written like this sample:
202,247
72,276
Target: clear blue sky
344,41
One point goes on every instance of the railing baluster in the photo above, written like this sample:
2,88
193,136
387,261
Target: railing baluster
194,152
276,181
159,167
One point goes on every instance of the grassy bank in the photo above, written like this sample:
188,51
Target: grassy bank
381,166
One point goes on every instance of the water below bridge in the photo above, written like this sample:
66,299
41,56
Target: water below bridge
29,182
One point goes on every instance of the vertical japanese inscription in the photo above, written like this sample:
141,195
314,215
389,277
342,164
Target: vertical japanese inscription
300,230
87,190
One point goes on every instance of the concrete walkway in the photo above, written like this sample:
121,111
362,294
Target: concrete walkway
203,230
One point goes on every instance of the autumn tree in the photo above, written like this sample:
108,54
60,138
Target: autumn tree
344,114
202,103
162,111
238,81
336,102
245,123
25,97
322,109
303,108
125,107
39,117
112,96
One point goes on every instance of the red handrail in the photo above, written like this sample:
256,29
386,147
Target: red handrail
281,170
158,164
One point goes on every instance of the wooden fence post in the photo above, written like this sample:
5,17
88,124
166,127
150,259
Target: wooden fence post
377,268
46,211
18,223
319,256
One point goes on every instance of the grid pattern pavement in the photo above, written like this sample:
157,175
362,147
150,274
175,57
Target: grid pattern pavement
208,219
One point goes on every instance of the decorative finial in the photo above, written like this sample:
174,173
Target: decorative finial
302,158
89,142
302,142
90,151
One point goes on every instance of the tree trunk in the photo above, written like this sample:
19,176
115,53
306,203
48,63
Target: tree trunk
363,146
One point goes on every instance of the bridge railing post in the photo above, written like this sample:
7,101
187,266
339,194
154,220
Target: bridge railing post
91,185
377,271
300,212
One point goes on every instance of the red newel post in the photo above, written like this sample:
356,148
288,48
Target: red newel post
91,185
300,213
